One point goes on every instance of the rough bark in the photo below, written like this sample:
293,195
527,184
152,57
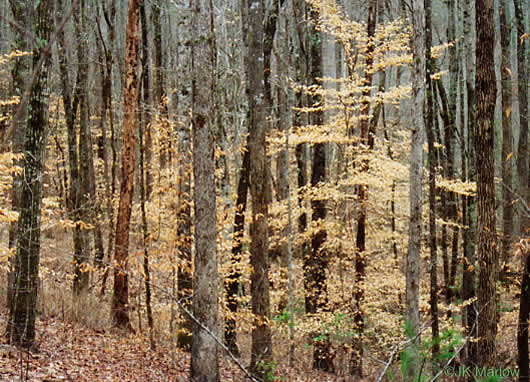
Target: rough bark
415,193
204,354
19,75
484,144
261,352
432,160
120,298
21,322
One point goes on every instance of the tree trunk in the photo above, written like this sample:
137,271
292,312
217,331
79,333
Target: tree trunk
415,195
120,298
484,144
507,137
261,353
429,119
19,75
367,140
233,283
21,322
469,273
82,258
523,162
204,354
144,130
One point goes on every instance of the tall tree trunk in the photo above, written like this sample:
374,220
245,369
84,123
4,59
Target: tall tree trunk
21,322
120,298
367,140
299,118
469,272
484,145
158,75
523,162
82,258
507,137
144,130
449,211
524,187
70,103
316,263
429,120
204,354
261,353
415,195
184,165
19,75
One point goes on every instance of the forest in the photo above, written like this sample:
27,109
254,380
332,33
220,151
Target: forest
264,190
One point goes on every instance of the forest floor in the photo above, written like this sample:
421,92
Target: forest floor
68,351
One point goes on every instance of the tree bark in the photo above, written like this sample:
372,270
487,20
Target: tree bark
261,352
507,138
415,194
120,298
21,322
484,144
523,162
19,75
204,354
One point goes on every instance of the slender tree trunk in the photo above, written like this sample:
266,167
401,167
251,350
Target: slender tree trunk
143,130
367,140
158,77
484,145
120,298
415,194
469,273
507,138
429,120
261,352
21,322
524,187
204,354
523,162
233,281
19,75
82,259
